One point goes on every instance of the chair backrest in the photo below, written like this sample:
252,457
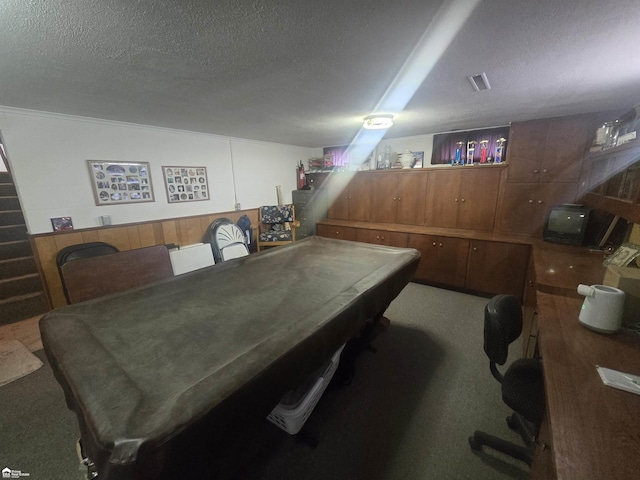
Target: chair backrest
79,252
83,250
93,277
271,214
227,240
502,325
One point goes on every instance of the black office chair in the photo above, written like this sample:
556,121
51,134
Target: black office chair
522,383
80,251
227,240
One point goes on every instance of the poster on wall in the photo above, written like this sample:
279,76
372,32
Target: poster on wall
120,182
186,184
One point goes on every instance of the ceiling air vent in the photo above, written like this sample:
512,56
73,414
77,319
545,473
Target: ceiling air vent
479,82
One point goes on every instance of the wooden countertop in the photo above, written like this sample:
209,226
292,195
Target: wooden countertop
595,429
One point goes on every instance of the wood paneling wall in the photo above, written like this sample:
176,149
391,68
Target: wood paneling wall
179,231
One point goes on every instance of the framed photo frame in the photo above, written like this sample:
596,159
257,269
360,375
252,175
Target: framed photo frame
186,184
120,182
624,255
61,224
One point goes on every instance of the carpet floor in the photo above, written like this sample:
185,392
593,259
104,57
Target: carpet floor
406,415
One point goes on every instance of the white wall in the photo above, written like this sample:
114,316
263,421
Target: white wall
418,143
48,156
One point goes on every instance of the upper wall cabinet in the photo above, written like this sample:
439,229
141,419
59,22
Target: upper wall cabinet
349,196
398,197
463,197
548,150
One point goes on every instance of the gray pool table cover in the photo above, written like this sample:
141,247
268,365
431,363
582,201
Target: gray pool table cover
191,355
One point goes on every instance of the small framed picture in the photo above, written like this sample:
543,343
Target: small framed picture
61,224
624,255
418,160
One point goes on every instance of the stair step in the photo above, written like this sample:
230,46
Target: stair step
10,233
5,177
17,286
17,267
17,248
8,190
22,307
9,203
11,217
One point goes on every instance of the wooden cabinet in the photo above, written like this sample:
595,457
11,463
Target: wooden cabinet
349,196
382,237
543,467
548,150
332,231
529,314
497,267
524,206
398,197
463,197
443,260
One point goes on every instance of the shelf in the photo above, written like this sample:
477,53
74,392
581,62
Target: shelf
616,206
631,148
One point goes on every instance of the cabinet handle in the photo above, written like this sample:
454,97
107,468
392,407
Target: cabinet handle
530,201
475,249
539,201
544,170
462,200
394,199
455,199
536,171
399,199
440,245
434,244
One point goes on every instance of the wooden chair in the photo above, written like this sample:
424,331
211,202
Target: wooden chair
277,226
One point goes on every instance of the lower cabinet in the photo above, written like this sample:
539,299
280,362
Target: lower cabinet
443,260
332,231
381,237
543,467
497,267
484,266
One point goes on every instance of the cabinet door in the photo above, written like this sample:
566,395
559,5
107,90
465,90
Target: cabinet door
338,197
524,206
564,149
478,198
443,260
525,150
496,267
412,191
384,197
381,237
332,231
359,197
443,198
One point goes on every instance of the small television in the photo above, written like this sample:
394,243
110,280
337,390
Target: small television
566,223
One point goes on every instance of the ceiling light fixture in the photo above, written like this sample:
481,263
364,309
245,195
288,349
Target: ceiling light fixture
479,82
378,121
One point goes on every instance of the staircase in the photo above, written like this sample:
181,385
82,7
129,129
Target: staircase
21,292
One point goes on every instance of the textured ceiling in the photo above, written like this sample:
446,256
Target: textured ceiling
305,73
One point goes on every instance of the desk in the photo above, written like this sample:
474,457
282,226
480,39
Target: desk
594,429
160,376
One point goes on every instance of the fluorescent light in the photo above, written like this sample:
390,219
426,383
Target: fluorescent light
378,121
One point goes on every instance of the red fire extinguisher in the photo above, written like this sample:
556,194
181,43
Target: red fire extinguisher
302,178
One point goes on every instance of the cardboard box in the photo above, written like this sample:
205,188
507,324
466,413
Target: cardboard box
626,279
